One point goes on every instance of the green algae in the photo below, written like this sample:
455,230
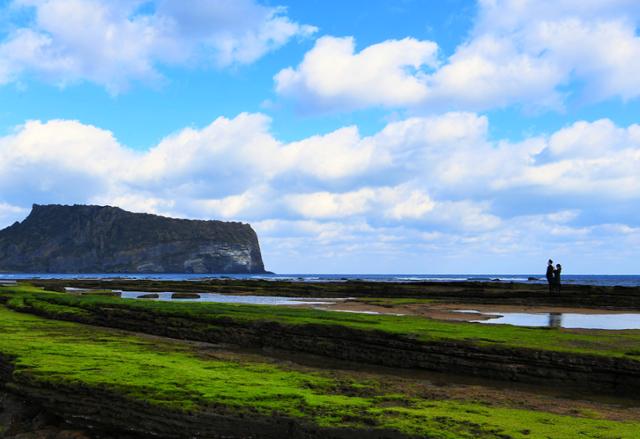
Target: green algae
172,376
620,344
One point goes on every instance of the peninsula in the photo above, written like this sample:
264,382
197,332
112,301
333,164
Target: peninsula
104,239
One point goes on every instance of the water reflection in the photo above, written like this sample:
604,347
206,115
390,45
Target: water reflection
223,298
565,320
555,320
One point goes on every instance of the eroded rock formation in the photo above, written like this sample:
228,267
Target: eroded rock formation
104,239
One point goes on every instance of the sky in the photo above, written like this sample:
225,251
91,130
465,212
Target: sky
368,136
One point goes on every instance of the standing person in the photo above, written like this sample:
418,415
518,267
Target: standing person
550,275
556,277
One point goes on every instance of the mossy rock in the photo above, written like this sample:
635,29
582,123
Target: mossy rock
185,296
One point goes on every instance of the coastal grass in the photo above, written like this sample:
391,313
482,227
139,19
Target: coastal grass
171,375
622,344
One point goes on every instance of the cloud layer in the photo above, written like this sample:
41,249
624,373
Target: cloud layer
113,43
436,185
519,53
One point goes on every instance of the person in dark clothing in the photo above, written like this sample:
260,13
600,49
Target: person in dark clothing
556,278
550,275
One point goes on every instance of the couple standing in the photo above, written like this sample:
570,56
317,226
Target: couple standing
553,276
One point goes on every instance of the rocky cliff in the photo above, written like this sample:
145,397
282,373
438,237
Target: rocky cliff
104,239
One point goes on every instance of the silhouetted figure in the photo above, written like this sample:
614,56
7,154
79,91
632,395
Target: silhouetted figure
550,275
555,320
556,278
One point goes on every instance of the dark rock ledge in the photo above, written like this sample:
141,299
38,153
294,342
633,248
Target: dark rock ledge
96,413
590,372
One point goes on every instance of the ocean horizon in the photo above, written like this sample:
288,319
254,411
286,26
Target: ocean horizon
628,280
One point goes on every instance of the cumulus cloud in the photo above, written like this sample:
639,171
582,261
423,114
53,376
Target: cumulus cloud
398,203
389,73
446,188
113,43
595,159
592,42
526,53
427,161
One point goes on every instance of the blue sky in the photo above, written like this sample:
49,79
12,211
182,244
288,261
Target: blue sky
363,136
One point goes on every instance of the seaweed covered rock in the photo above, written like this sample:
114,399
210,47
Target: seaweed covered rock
185,296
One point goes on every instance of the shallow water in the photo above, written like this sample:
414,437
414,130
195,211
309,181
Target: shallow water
221,298
564,320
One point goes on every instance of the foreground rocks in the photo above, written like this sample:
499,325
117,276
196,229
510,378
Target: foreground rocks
23,418
473,357
36,409
110,383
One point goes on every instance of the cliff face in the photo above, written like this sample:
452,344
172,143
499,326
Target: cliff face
103,239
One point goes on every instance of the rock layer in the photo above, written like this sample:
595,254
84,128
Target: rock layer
605,374
109,414
104,239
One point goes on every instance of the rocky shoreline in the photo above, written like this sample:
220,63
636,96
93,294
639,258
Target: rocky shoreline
41,405
472,357
501,293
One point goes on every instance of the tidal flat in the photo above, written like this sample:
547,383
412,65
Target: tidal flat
149,368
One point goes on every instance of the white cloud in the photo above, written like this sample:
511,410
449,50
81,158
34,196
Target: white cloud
330,205
253,203
491,72
412,205
113,43
520,52
339,154
595,139
595,159
397,203
233,31
333,75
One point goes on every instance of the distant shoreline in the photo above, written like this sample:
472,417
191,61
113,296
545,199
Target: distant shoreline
531,279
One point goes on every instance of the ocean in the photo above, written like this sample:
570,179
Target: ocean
583,279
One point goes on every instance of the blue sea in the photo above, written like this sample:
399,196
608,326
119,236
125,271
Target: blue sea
600,280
